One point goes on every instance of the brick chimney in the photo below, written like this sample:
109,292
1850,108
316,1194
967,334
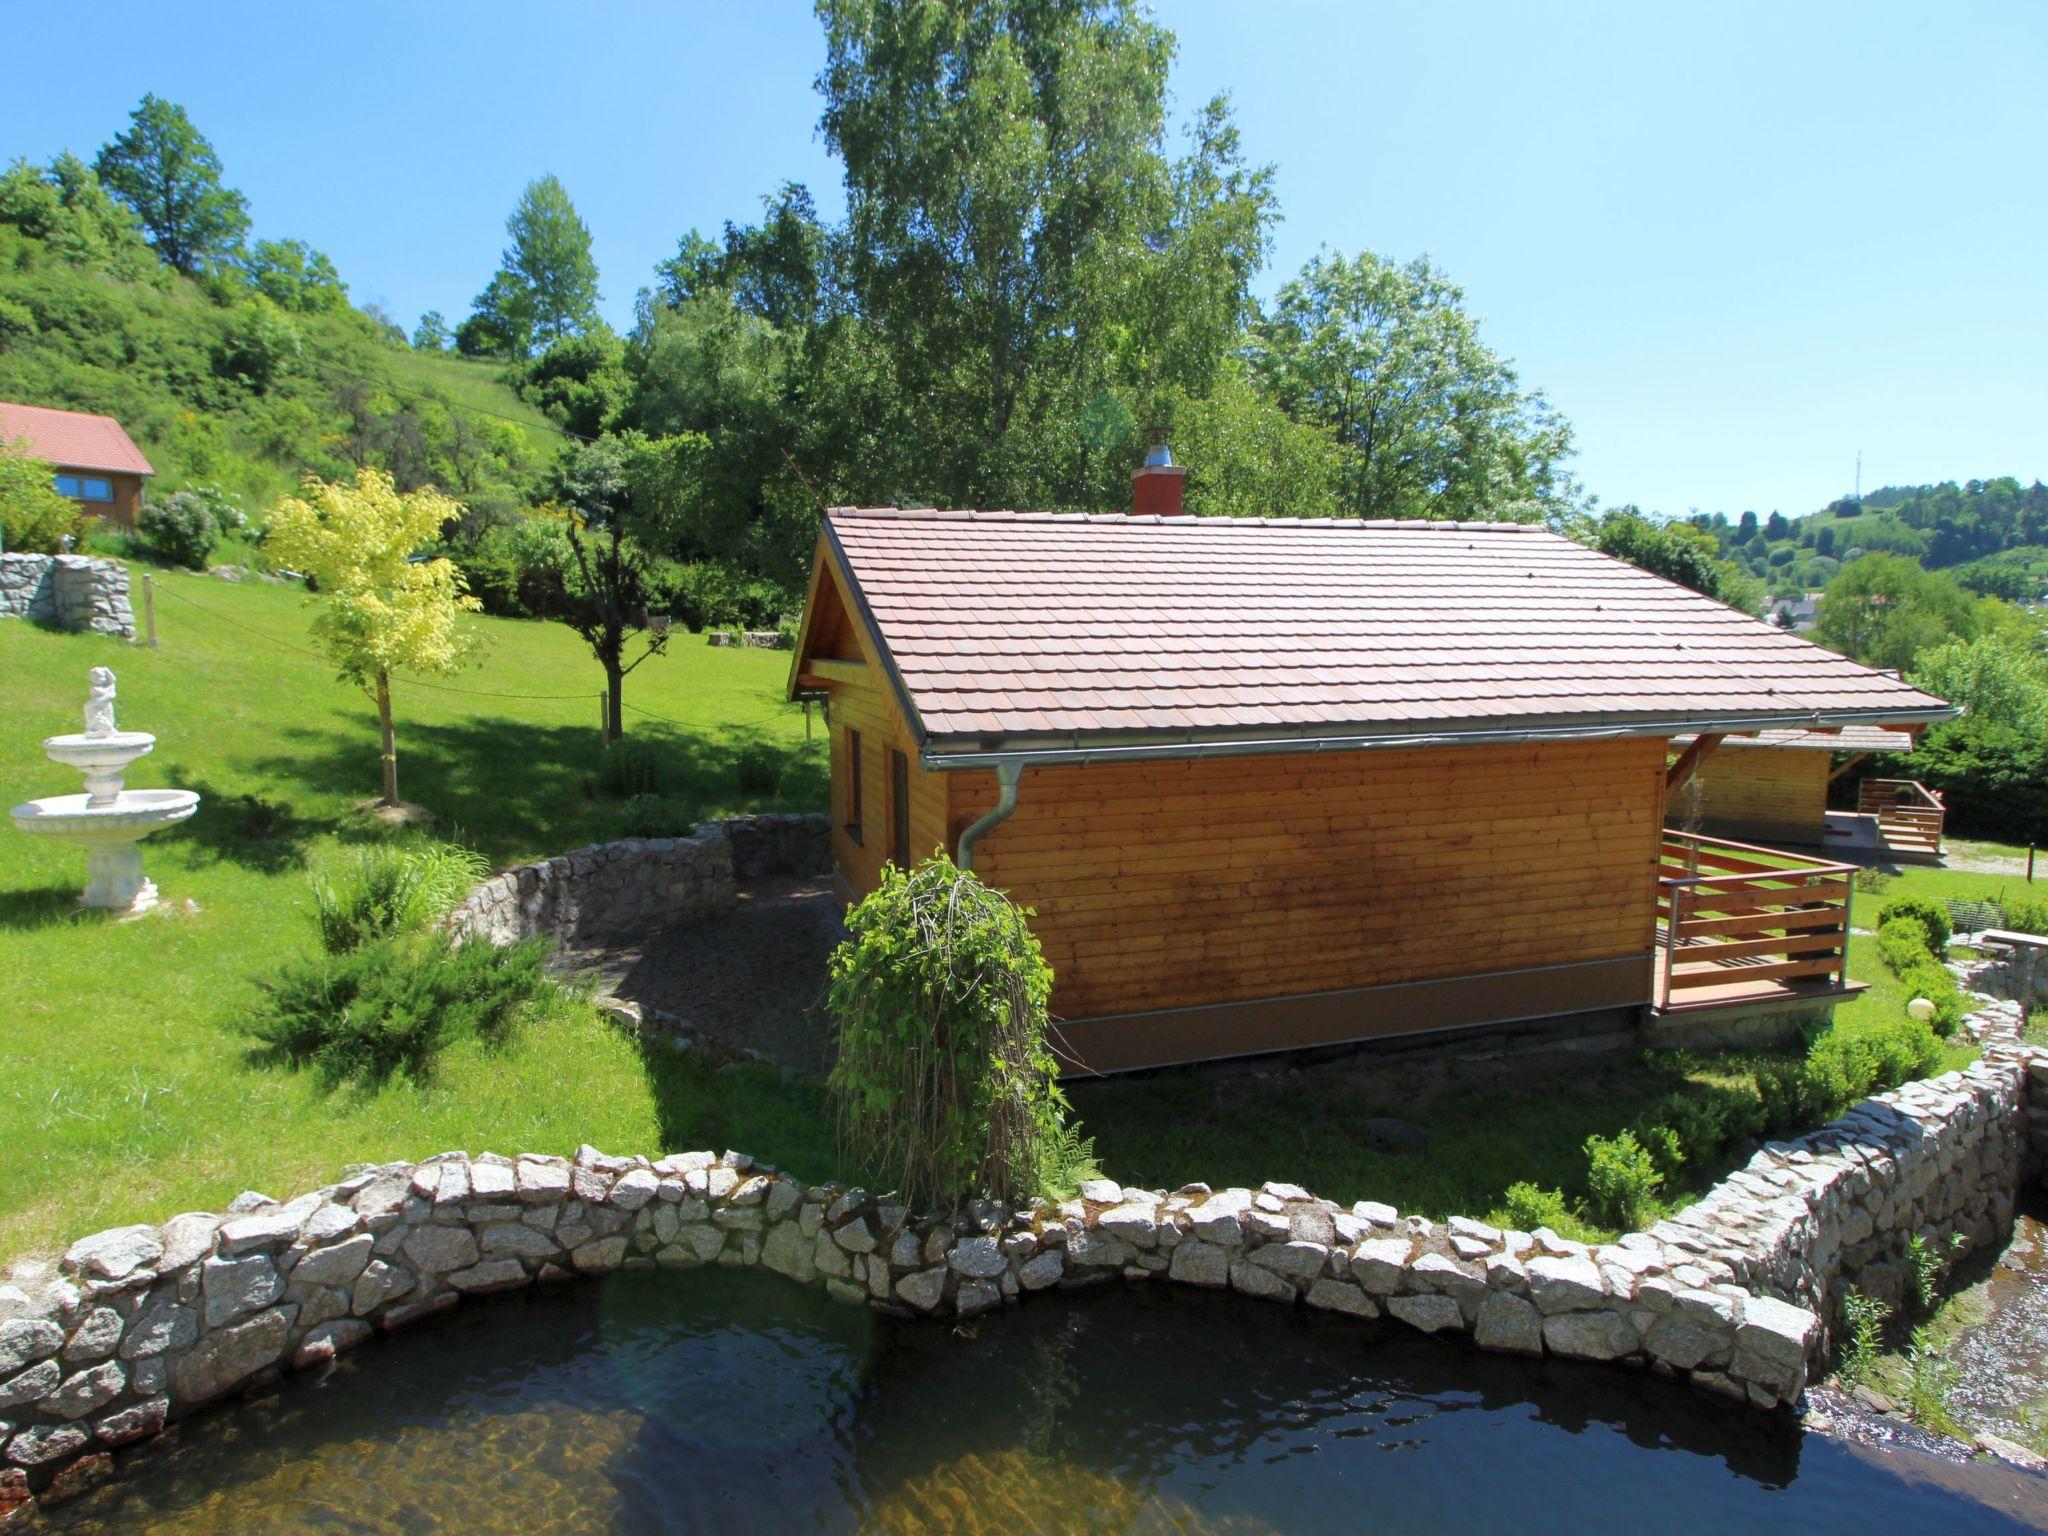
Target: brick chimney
1157,483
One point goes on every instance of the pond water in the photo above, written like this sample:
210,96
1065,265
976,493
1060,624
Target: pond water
721,1401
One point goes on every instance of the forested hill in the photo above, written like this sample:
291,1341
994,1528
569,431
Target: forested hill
244,378
1992,533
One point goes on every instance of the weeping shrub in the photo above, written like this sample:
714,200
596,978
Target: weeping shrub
944,1083
362,894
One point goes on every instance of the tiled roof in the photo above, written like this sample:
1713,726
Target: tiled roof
1850,738
72,439
1032,629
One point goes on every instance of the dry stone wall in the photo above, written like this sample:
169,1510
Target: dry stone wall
625,889
67,592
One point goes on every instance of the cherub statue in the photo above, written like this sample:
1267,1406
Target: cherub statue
99,704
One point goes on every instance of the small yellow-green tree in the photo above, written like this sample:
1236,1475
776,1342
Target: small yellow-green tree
33,516
380,609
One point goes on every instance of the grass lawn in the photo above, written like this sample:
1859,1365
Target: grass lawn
127,1096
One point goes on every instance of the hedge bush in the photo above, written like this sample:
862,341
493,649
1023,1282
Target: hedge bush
1932,914
179,529
1621,1181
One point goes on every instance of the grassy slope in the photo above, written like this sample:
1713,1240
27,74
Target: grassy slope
126,1094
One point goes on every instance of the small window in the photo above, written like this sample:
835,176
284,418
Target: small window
67,485
853,786
96,490
899,808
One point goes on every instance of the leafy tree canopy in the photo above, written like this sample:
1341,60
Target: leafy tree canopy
1885,609
164,169
546,285
292,275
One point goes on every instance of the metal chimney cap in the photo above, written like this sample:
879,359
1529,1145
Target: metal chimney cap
1157,454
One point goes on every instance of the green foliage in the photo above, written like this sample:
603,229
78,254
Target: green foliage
179,529
392,1005
1931,914
1992,777
1430,421
944,1081
1913,955
1885,609
294,276
758,769
33,517
362,895
631,768
431,334
2022,913
1524,1207
1903,941
1844,1064
1689,1132
2000,677
1863,1324
163,168
1621,1181
546,285
580,381
66,209
1676,551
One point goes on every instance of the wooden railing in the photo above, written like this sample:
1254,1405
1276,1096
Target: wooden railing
1734,913
1909,814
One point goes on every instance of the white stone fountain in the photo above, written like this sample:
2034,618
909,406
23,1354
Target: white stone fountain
107,819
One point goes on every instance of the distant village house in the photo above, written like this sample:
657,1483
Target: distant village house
97,464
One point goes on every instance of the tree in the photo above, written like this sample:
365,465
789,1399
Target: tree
164,169
1777,527
1884,610
68,208
1678,552
1019,241
381,609
292,275
604,590
431,334
1433,423
500,324
546,285
1997,677
33,517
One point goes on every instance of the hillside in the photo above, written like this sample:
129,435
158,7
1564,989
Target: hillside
220,384
1992,533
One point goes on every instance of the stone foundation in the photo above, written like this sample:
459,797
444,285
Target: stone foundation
751,639
67,592
621,890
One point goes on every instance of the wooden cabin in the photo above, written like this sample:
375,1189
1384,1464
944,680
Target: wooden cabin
1773,787
1278,784
93,460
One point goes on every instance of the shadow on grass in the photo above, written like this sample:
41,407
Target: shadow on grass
47,906
745,1106
521,789
246,829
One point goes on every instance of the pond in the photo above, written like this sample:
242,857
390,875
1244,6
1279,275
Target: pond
720,1400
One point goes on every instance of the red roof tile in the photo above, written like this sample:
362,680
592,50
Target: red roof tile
72,439
1043,629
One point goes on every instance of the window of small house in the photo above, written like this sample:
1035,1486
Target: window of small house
96,490
899,808
67,485
853,787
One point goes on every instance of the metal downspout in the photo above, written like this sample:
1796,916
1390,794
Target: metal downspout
1008,772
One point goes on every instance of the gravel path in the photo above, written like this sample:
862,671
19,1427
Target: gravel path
753,977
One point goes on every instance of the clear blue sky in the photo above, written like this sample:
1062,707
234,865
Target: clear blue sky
1734,243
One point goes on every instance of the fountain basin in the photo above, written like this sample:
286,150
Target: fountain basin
102,759
109,833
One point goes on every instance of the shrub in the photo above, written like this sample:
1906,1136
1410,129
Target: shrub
630,769
1930,912
1903,943
1870,882
33,517
1695,1127
654,816
179,529
393,1004
758,768
944,1083
1525,1207
1845,1064
377,892
2023,914
1621,1181
1863,1320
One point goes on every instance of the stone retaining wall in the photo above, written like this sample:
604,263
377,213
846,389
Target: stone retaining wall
67,592
624,889
752,639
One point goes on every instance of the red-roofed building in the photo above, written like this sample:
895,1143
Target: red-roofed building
1276,784
97,463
